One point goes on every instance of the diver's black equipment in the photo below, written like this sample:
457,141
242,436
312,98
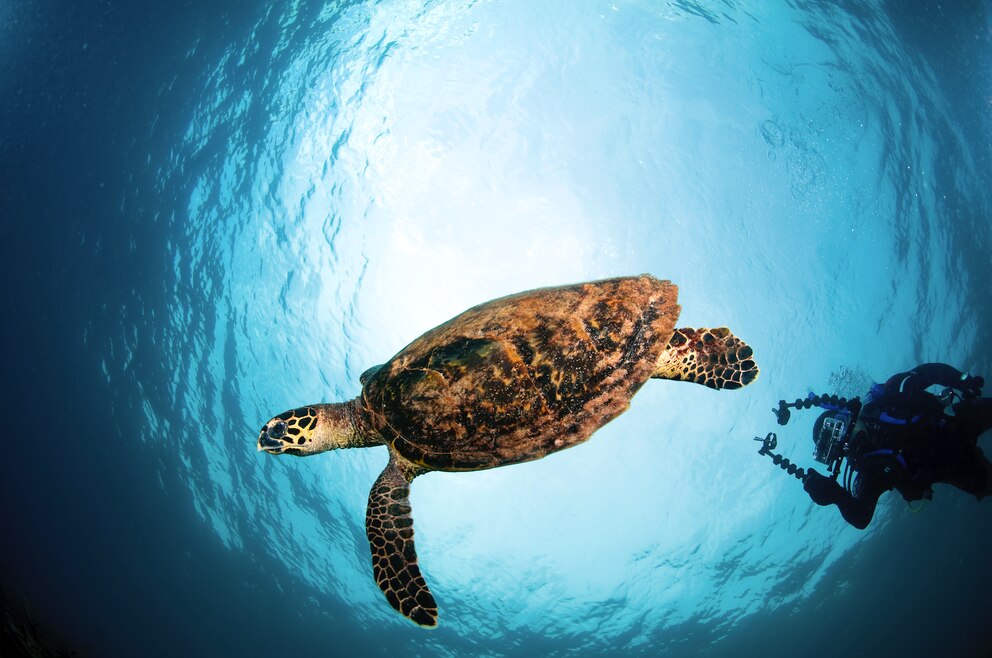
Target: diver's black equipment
838,430
769,443
836,433
948,398
971,386
782,413
831,443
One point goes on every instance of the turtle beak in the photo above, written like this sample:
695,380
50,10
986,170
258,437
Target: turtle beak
269,445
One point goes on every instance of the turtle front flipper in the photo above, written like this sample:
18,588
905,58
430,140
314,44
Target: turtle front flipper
389,527
712,357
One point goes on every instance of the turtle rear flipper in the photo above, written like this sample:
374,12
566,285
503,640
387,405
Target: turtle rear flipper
712,357
389,527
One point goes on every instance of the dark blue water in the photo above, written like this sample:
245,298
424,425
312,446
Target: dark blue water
215,211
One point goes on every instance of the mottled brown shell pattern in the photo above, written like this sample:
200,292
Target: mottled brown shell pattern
522,376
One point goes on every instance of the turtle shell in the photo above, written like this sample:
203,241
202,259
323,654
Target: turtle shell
519,377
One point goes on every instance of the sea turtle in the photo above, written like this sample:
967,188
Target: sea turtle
508,381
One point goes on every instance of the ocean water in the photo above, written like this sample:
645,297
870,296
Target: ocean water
215,211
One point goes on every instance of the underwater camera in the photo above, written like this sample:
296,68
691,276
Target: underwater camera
831,440
831,437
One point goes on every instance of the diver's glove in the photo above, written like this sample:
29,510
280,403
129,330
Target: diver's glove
971,386
821,489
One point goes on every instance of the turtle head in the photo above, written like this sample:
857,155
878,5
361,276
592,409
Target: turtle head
310,430
291,432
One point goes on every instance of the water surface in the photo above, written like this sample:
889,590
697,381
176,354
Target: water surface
219,212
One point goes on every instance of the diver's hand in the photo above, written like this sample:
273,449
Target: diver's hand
821,489
971,386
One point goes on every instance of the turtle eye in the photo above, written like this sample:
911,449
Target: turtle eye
278,430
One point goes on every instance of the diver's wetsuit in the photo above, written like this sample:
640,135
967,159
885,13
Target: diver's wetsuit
908,443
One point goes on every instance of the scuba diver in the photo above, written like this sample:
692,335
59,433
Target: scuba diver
902,437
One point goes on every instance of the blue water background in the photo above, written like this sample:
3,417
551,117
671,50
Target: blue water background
215,211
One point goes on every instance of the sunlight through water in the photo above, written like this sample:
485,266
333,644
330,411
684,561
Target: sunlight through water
354,174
